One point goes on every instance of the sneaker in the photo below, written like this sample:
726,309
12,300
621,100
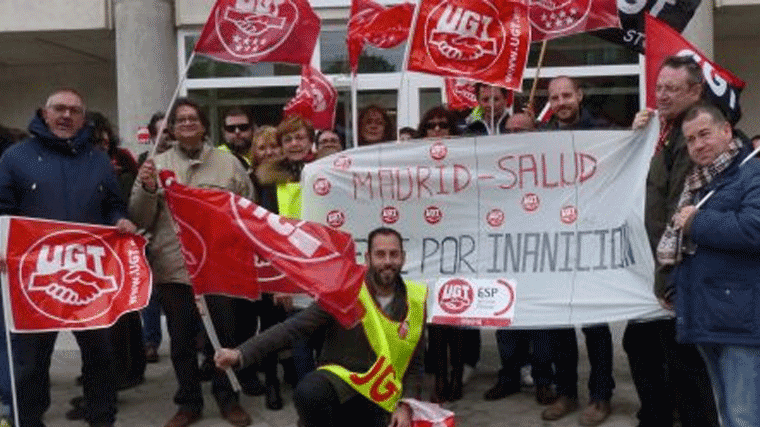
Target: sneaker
595,413
500,391
526,379
561,407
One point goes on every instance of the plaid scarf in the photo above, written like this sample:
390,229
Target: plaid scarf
669,249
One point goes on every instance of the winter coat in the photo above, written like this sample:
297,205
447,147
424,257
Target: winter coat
718,286
45,176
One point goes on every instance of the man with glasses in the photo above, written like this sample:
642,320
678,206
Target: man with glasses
237,130
59,174
651,345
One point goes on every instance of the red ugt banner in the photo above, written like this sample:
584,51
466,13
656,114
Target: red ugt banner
482,40
721,86
222,234
550,19
67,276
248,31
460,94
315,99
377,25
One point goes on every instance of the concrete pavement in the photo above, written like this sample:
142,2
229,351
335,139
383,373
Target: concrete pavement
150,404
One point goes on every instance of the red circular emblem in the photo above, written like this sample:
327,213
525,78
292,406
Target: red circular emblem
252,29
463,36
530,202
433,214
568,214
438,151
558,16
67,281
495,217
143,135
390,215
456,296
336,218
342,162
322,186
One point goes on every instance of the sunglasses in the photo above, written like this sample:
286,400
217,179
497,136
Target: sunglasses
232,128
437,124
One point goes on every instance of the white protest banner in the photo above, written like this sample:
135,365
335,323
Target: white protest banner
533,229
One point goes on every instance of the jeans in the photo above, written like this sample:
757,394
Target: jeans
514,350
735,375
151,316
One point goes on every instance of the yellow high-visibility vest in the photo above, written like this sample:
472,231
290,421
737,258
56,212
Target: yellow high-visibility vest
394,344
289,199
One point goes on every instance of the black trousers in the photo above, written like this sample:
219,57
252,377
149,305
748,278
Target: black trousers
318,405
182,317
31,357
668,375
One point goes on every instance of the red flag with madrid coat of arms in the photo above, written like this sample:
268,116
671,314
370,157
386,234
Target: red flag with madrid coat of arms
380,26
550,19
248,31
315,99
481,40
226,237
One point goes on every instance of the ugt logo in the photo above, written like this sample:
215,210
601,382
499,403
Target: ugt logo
71,276
255,27
555,16
463,36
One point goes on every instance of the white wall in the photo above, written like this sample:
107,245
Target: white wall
740,56
42,15
23,89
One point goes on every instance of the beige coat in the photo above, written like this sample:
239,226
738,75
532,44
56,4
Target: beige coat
213,169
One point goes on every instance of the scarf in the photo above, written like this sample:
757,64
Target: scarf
669,249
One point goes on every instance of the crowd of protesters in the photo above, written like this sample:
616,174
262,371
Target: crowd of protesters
691,381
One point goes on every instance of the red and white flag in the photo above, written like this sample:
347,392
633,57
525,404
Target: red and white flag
380,26
482,40
223,234
460,94
248,31
550,19
315,99
721,86
68,276
427,414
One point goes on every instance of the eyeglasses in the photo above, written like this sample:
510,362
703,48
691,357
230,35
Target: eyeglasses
187,119
73,110
437,124
233,128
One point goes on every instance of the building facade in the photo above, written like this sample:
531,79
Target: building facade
127,58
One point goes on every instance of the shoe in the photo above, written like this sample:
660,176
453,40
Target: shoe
500,391
95,425
151,354
561,407
76,413
526,379
467,373
595,413
236,415
545,395
77,402
273,400
183,418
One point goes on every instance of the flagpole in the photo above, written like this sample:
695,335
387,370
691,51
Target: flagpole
354,110
6,293
161,128
211,332
532,96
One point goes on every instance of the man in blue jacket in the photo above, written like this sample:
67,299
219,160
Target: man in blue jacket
58,174
717,262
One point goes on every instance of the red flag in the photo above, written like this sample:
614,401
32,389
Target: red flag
550,19
460,94
320,260
482,40
377,25
722,87
247,31
67,276
315,99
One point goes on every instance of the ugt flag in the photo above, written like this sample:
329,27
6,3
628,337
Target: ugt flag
315,99
68,276
380,26
319,260
460,94
721,87
248,31
550,19
482,40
